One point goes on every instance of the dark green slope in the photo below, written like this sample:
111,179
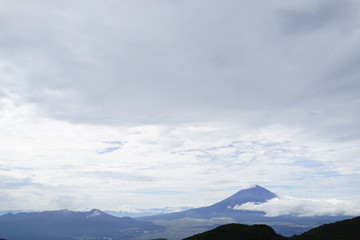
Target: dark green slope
237,231
342,230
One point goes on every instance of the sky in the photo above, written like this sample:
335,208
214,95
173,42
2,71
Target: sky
139,104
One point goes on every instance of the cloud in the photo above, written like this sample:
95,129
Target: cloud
157,62
67,202
13,183
303,207
118,146
315,16
202,160
204,96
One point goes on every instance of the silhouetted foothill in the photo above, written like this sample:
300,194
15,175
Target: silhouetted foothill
236,231
342,230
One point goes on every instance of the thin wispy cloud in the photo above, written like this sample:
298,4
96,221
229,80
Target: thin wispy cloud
116,145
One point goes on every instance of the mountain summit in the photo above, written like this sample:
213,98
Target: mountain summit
255,194
225,207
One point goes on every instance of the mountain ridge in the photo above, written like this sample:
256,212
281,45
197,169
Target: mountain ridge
348,229
68,225
236,231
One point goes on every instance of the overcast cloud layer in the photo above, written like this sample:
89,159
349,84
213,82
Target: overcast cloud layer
168,103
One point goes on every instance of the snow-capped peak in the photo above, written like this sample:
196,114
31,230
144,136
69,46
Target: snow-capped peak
251,186
94,213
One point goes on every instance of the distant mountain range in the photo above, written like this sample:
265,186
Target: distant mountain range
342,230
96,225
69,225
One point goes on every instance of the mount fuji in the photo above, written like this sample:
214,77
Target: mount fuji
255,194
180,224
225,207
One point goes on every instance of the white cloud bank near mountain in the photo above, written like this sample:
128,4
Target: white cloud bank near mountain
303,207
